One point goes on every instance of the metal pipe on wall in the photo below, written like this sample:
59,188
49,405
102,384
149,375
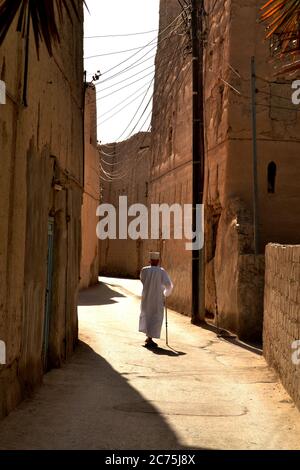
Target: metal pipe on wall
198,155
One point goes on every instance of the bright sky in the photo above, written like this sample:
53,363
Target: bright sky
115,17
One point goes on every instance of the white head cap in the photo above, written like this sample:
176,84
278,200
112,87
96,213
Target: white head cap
154,255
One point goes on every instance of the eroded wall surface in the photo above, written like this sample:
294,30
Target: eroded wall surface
282,315
41,149
171,165
234,275
89,268
229,180
130,160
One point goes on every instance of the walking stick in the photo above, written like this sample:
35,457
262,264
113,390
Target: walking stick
166,309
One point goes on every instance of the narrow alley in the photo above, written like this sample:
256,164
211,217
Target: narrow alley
202,392
149,155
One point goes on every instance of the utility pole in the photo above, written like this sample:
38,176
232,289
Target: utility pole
198,155
26,64
85,86
254,157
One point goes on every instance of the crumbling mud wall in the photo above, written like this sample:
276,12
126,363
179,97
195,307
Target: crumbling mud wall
89,268
41,179
131,160
171,165
234,276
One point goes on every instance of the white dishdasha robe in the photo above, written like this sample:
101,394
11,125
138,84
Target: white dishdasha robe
156,285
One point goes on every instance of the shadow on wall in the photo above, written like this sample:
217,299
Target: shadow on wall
226,336
99,294
87,405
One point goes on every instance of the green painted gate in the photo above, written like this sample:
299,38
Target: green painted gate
48,300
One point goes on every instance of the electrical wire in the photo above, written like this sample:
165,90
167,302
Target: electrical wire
115,176
171,102
274,82
114,52
270,82
137,73
134,64
166,109
125,79
156,77
124,107
118,178
137,62
271,106
143,124
148,44
123,87
121,35
136,113
123,101
274,95
125,70
177,92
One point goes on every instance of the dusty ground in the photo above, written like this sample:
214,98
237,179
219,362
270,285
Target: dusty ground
115,394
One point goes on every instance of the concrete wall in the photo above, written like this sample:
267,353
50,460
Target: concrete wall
41,145
282,314
131,160
171,167
89,268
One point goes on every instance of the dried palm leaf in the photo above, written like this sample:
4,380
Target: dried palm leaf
41,14
283,19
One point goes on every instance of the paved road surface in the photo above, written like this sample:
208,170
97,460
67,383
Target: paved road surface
115,394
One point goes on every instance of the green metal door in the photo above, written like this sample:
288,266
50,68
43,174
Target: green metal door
48,300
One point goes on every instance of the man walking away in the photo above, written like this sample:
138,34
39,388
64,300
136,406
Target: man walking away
156,285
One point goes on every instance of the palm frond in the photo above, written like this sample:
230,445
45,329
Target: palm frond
41,14
283,27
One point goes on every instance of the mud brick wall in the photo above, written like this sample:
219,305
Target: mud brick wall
41,149
282,314
126,257
89,268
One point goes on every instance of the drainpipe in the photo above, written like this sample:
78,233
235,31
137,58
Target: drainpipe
85,85
26,64
254,156
198,292
67,298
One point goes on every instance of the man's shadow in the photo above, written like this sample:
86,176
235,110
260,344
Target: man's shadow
165,352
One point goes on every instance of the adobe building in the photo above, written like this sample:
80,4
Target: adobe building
125,172
234,276
171,161
89,266
41,182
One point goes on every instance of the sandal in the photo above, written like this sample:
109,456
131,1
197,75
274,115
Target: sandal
150,344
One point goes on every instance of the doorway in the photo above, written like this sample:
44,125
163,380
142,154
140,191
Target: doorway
48,299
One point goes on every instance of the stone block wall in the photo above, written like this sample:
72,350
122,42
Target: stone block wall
282,314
